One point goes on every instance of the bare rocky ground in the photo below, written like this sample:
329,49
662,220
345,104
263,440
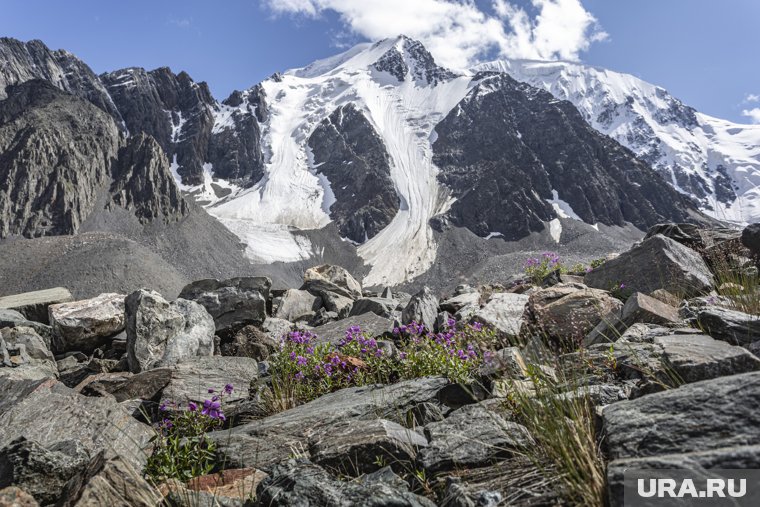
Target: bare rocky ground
651,356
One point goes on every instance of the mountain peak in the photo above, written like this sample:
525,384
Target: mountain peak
409,58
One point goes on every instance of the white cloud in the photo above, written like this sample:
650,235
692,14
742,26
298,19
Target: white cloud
459,33
752,114
751,97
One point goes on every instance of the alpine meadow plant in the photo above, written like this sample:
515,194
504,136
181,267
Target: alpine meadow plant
181,448
306,368
538,268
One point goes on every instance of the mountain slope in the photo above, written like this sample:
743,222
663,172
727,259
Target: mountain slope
715,161
508,150
24,61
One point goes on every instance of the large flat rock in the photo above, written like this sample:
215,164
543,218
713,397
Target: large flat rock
34,305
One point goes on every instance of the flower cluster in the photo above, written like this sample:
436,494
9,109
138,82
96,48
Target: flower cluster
537,268
181,449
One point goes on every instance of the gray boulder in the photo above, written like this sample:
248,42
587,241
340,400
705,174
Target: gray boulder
25,355
379,306
53,414
273,438
298,305
87,324
191,378
374,325
471,436
40,471
276,328
232,303
301,483
456,303
709,424
657,263
569,311
34,305
731,326
333,302
335,279
504,313
12,318
117,484
751,238
160,333
638,309
251,342
699,357
353,448
422,308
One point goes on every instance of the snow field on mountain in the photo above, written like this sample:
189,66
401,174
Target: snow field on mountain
639,115
294,194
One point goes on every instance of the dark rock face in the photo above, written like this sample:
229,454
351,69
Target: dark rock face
156,103
349,152
143,183
24,61
300,482
751,238
234,148
409,57
507,145
179,113
56,151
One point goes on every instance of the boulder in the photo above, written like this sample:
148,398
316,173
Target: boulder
251,342
273,438
34,305
456,303
298,305
359,447
301,483
124,386
53,414
333,302
372,324
503,312
378,306
750,239
232,303
42,472
191,378
422,308
714,421
335,279
117,484
87,324
638,309
470,437
657,263
25,355
160,333
731,326
276,328
698,357
648,310
231,487
570,311
12,318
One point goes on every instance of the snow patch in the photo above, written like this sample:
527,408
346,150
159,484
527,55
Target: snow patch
562,208
555,229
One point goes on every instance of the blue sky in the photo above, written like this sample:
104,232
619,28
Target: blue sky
703,51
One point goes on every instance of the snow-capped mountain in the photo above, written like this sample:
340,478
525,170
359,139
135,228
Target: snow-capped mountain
715,161
373,155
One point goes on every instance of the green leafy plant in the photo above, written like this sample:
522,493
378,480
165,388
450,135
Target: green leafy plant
181,448
306,368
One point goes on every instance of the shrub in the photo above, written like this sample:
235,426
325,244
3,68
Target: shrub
181,449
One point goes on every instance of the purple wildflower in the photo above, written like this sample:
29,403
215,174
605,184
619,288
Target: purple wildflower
192,407
228,388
